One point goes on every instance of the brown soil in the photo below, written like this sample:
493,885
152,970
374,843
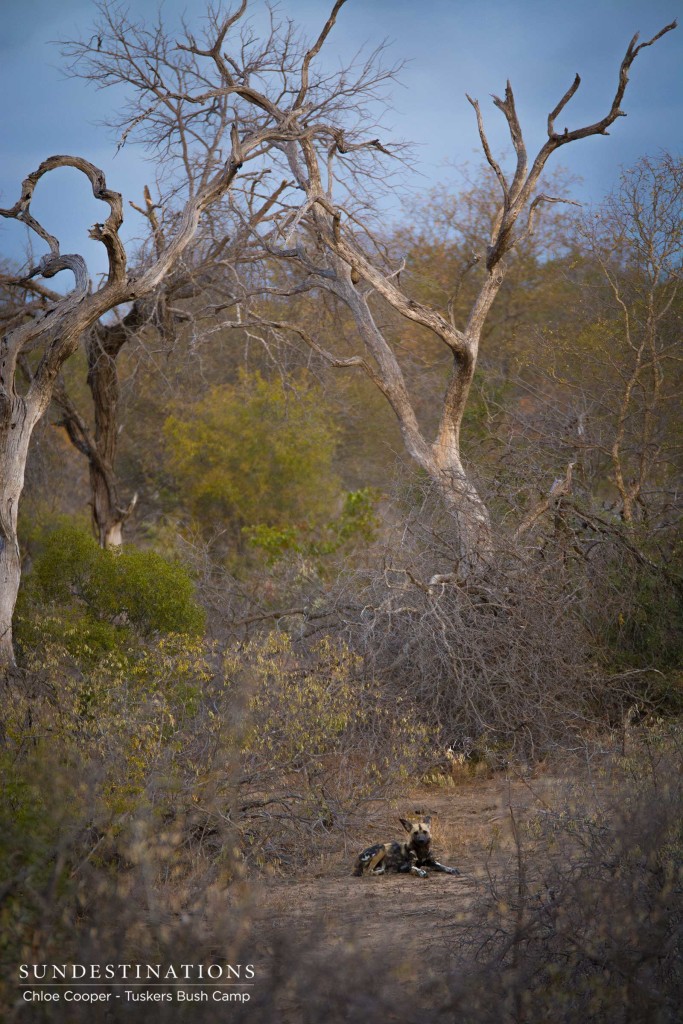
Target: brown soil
403,918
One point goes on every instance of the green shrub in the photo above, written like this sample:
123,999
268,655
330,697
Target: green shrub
357,522
77,589
255,453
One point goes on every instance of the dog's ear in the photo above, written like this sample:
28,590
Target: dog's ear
428,819
408,825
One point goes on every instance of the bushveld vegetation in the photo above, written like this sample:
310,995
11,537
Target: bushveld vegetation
302,604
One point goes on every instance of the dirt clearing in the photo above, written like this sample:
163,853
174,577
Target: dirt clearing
397,918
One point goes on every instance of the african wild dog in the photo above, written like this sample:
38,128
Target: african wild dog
413,856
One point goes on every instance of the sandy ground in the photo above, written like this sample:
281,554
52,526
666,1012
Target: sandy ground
404,918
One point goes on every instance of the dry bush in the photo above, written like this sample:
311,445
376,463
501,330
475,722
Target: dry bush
574,622
500,665
585,922
129,819
263,757
139,791
318,746
581,922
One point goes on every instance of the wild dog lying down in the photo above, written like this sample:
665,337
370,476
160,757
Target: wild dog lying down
414,856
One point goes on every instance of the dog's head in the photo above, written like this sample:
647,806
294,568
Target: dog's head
420,833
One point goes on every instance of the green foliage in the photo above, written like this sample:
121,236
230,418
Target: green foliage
155,594
357,522
72,626
274,541
358,519
255,454
99,592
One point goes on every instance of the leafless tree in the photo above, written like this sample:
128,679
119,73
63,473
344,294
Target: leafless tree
637,239
206,108
338,251
602,394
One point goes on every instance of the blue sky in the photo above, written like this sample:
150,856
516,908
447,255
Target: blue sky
453,47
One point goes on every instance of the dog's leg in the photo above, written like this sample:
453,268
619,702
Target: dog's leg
375,866
436,866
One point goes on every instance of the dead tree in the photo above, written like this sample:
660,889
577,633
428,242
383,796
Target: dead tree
99,443
338,252
209,113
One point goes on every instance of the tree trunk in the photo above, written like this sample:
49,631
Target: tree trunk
103,345
15,434
10,577
108,515
440,459
473,523
475,540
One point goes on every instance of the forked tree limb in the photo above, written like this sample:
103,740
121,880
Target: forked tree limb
483,138
600,127
314,51
518,193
